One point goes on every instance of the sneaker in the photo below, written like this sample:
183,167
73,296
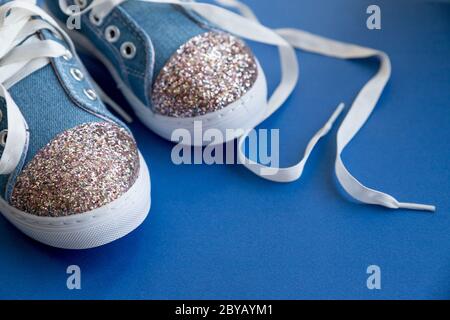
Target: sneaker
173,67
180,62
71,175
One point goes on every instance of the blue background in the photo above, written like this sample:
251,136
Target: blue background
221,232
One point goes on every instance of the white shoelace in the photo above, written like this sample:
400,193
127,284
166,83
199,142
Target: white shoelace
247,26
22,53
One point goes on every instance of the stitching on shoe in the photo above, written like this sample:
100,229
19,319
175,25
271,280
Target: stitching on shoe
148,49
114,51
71,91
150,56
136,33
32,221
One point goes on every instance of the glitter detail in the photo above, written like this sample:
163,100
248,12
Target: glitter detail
82,169
206,74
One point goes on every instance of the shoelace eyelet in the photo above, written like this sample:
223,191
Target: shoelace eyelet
95,20
81,3
77,74
112,34
128,50
90,94
7,13
67,56
1,115
3,137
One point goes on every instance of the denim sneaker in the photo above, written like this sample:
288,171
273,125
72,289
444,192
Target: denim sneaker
174,67
180,63
71,175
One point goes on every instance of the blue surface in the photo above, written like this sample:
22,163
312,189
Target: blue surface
221,232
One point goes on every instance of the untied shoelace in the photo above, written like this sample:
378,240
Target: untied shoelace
246,25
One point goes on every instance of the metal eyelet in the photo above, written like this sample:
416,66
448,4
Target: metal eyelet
95,20
81,3
77,74
67,56
1,115
112,34
128,50
3,137
90,94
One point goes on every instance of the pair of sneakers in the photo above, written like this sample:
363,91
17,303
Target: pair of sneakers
71,175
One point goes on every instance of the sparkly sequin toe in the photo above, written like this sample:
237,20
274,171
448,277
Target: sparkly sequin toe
71,175
207,74
183,75
80,170
176,69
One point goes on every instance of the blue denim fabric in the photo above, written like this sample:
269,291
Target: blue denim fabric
137,72
4,126
168,26
51,101
4,118
49,110
157,31
3,121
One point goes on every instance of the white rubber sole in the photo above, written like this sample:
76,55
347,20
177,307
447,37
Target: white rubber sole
231,121
91,229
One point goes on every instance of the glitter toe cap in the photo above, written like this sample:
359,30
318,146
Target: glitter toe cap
80,170
206,74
